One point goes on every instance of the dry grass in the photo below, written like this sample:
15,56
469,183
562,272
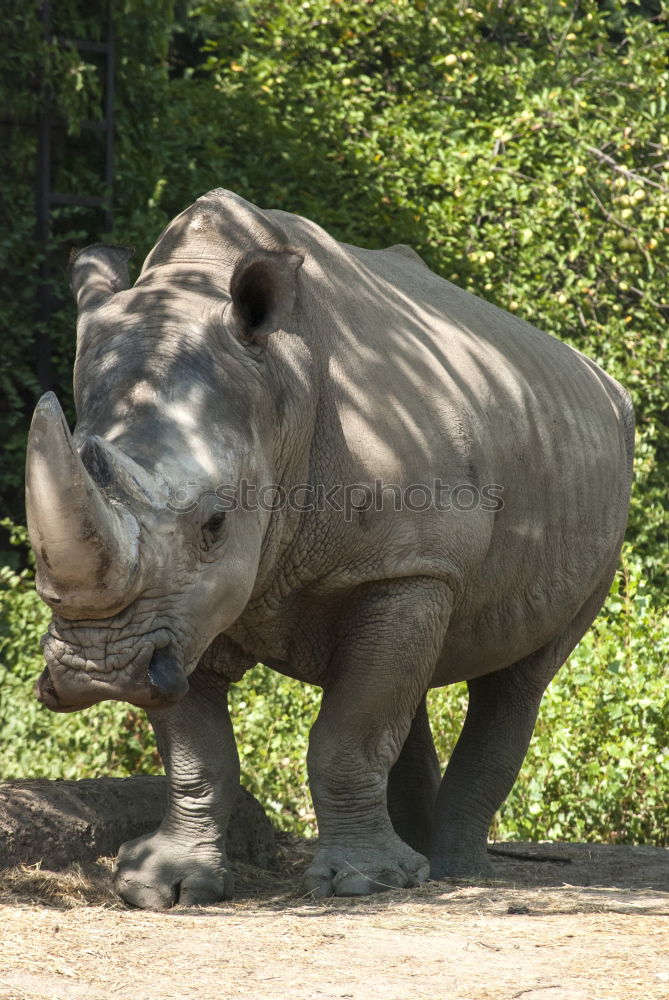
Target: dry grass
591,878
528,934
79,885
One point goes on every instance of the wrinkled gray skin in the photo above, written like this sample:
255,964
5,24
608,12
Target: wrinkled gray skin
254,346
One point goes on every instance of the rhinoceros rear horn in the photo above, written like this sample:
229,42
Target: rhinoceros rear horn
86,548
98,272
263,290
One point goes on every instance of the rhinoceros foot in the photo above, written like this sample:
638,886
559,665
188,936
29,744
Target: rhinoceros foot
460,851
156,872
461,868
362,868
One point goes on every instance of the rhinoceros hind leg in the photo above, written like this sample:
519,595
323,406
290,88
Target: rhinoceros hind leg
500,719
413,784
486,760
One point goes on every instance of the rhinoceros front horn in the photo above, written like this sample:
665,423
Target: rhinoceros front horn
86,547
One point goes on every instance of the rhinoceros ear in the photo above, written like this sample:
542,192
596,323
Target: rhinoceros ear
98,272
263,290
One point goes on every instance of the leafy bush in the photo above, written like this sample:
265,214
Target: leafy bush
110,739
598,767
36,73
272,716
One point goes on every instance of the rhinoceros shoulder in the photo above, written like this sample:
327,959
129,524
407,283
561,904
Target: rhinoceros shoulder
406,251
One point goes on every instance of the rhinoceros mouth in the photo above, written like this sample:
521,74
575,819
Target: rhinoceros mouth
145,669
101,662
47,694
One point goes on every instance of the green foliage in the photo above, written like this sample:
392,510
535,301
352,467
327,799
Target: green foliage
598,766
36,74
522,150
110,739
272,716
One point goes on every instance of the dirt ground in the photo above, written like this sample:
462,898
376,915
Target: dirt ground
586,922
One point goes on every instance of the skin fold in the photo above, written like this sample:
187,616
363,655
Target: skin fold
330,460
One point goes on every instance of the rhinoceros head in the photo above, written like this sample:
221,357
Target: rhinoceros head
140,552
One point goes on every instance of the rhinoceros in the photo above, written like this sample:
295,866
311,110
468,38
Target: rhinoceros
333,461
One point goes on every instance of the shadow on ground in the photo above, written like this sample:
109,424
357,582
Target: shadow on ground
529,878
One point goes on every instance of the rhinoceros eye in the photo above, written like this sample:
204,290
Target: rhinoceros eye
212,529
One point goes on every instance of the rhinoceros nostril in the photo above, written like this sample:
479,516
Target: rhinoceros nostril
167,680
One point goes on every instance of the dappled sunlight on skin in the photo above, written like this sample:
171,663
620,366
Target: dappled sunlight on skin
256,348
405,394
469,376
161,372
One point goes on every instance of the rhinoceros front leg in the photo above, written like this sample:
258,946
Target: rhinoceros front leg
184,861
385,656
